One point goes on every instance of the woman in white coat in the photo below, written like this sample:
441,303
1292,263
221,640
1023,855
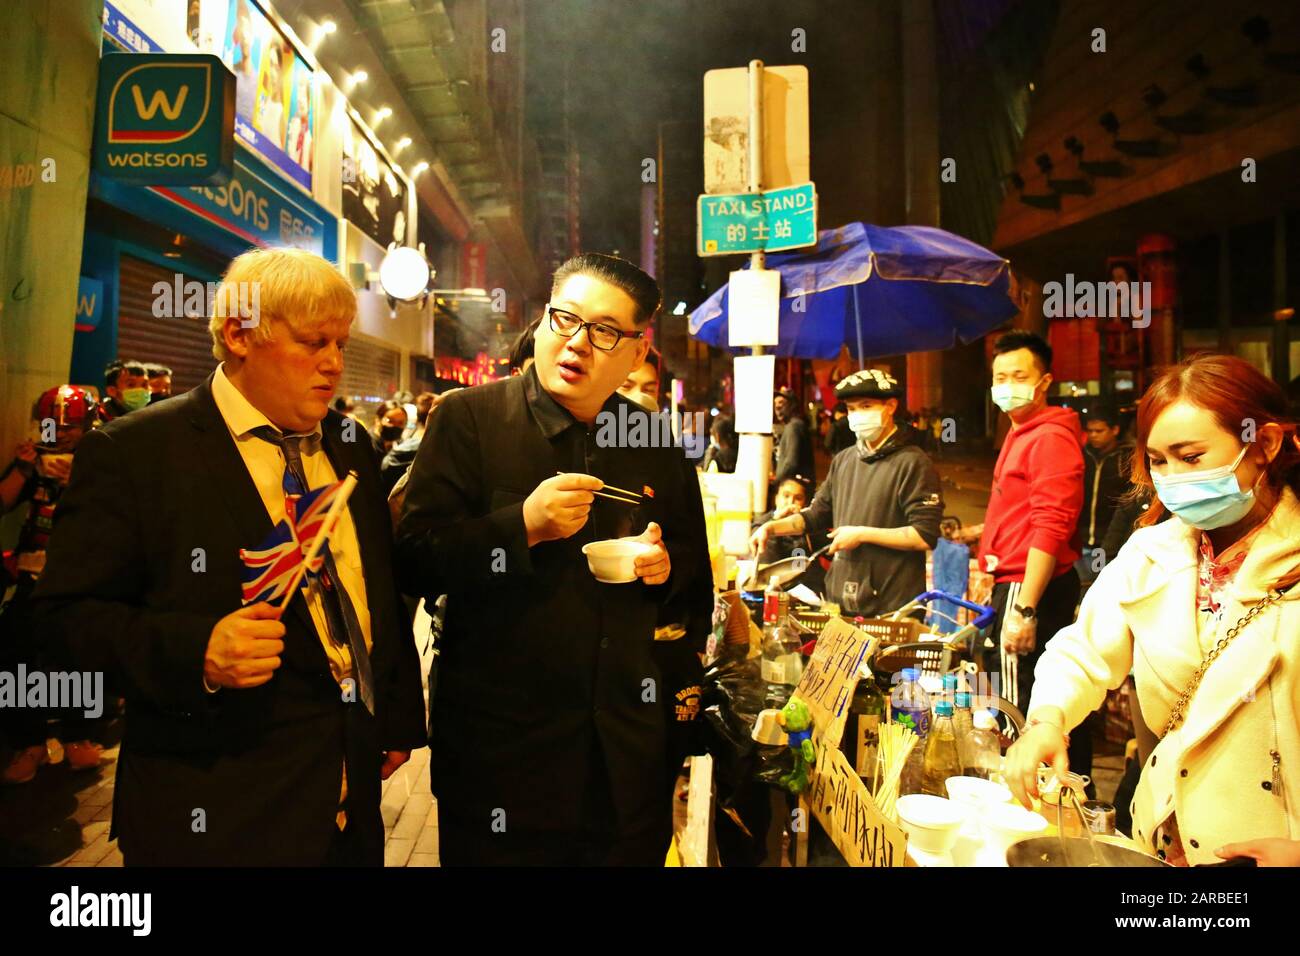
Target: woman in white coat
1201,609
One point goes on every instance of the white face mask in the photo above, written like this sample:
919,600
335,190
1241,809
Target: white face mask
866,423
1010,396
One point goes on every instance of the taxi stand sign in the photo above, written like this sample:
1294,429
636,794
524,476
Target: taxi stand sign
165,119
768,221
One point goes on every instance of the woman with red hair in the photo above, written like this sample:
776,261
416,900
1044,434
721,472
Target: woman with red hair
1202,610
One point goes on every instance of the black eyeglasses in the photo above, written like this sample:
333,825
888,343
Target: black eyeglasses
601,336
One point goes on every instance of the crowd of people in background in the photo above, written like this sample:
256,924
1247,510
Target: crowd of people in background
35,478
1068,489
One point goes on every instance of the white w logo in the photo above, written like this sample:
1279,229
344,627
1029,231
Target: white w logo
170,110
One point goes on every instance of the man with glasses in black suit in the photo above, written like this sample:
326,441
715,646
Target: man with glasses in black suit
548,727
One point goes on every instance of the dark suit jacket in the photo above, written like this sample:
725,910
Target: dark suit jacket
550,705
143,562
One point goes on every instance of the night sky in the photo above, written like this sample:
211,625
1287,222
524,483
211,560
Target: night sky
635,63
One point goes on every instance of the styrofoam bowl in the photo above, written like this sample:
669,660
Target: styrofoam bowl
613,561
1008,823
931,823
973,792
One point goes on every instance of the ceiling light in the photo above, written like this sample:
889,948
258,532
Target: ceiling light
360,76
328,27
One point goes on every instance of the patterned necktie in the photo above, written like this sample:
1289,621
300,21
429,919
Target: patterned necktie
340,615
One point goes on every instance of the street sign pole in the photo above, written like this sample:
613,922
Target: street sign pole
759,457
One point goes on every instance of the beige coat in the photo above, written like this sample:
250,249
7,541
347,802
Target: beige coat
1216,771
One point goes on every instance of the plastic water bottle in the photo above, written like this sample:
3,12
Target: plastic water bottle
962,723
941,758
983,756
782,663
910,705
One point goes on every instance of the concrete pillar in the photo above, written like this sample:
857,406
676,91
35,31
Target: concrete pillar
50,49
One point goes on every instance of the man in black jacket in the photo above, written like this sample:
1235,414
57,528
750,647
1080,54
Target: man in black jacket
548,727
249,740
879,506
1105,482
794,447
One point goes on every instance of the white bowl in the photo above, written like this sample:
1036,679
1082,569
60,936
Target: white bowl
1005,824
974,792
613,561
931,823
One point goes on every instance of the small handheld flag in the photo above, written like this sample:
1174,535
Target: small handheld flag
270,567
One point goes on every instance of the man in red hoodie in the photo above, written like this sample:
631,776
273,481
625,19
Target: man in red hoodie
1028,544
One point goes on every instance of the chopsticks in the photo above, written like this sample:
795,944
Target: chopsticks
624,496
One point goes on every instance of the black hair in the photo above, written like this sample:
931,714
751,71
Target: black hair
114,369
1102,413
423,405
1020,339
343,404
640,287
724,430
153,370
799,480
522,349
655,359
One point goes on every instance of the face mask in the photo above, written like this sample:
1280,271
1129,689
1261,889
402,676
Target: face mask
645,400
1206,499
135,398
1010,396
867,423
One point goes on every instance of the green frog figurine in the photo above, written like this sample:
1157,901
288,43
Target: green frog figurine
797,723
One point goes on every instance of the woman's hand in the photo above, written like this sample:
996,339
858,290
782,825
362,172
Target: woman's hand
1272,852
1040,744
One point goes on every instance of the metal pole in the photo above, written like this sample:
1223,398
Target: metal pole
758,260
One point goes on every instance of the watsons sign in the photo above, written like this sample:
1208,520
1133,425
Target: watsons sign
165,119
259,209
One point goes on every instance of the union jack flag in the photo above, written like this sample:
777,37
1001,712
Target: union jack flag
307,516
269,568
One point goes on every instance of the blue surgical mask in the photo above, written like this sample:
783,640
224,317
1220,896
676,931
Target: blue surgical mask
1206,499
1010,396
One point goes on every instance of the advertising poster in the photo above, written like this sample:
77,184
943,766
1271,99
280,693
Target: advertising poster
374,197
275,104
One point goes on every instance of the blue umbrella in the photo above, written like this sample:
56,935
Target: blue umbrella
880,290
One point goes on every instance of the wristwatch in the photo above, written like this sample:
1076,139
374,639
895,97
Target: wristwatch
1028,613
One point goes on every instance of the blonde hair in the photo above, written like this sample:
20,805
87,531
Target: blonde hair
292,286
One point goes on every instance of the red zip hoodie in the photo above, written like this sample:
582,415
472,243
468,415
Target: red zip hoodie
1037,495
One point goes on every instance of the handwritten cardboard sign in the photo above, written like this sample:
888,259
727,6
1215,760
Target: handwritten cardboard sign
841,803
836,794
830,677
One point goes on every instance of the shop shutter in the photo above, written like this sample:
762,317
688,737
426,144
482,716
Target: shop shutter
371,372
182,344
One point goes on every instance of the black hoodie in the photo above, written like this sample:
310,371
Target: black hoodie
896,486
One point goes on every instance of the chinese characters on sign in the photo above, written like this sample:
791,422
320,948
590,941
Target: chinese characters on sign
836,794
757,222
